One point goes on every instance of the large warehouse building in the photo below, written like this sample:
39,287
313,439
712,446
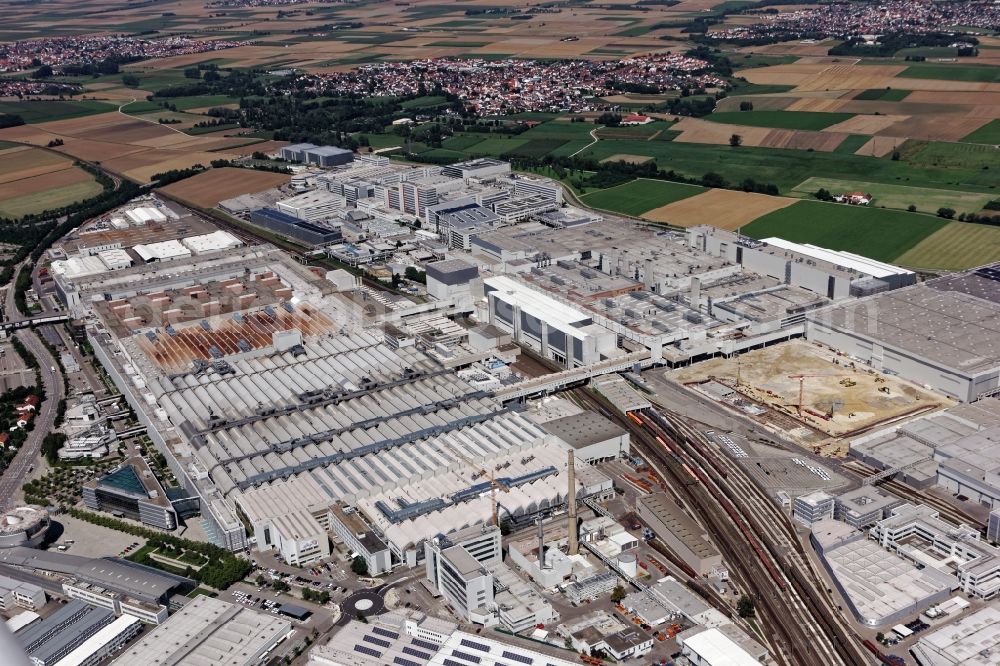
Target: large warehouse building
944,333
679,531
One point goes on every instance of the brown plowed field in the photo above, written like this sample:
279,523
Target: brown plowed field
47,181
209,188
726,209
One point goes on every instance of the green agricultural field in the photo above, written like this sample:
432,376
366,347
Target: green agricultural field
535,148
883,94
560,130
44,111
571,147
753,60
851,144
958,245
633,131
800,120
459,44
461,142
880,234
956,72
942,155
900,197
638,196
496,147
49,199
787,168
384,140
988,133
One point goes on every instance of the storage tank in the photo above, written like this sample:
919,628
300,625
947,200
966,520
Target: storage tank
628,563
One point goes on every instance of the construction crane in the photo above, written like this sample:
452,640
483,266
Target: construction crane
802,379
494,484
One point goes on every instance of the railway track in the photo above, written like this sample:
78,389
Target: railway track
786,619
947,510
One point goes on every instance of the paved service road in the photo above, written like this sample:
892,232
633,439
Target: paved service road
27,455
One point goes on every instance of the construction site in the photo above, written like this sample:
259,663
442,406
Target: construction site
810,394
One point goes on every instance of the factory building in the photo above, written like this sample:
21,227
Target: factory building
720,646
294,228
464,582
592,437
327,156
450,278
830,273
359,537
48,642
548,327
917,533
108,640
17,594
880,587
482,169
412,638
209,631
131,491
863,507
679,531
972,640
312,206
942,333
818,505
296,152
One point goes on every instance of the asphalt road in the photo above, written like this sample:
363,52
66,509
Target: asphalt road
27,455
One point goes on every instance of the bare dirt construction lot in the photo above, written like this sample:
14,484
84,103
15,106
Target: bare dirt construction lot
210,187
859,398
727,209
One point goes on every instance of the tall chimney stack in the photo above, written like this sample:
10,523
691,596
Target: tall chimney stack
573,547
541,543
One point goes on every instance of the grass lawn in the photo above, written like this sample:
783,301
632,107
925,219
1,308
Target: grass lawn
927,200
801,120
957,246
883,94
956,72
879,234
44,111
48,199
988,133
638,196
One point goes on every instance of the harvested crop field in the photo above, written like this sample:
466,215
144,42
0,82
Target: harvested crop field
726,209
71,175
695,130
957,246
826,75
797,120
23,162
210,187
49,198
866,124
879,146
631,159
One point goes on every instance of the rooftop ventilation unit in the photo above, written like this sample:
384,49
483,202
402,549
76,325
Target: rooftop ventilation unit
205,325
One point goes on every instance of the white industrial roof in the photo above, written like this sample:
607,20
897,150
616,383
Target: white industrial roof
22,620
857,262
87,649
77,267
539,305
115,259
715,648
213,242
170,249
145,214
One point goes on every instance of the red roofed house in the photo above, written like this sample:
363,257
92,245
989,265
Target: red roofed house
636,119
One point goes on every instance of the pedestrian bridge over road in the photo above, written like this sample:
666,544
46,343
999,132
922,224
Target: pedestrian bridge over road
34,321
